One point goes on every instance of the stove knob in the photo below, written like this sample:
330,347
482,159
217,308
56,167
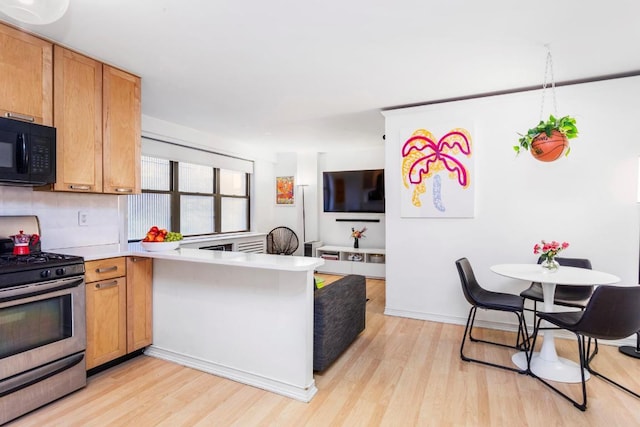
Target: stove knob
45,273
60,271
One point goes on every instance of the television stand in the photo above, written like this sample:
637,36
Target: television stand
369,262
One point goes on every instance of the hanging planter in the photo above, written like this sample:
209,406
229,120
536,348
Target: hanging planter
549,140
549,148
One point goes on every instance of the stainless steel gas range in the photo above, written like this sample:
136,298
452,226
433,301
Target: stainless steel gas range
42,325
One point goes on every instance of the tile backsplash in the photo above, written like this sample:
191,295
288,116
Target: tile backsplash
58,214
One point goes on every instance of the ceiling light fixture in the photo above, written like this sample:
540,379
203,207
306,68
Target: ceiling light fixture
37,12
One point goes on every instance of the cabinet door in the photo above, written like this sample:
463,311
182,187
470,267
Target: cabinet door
78,120
121,132
139,303
26,75
106,321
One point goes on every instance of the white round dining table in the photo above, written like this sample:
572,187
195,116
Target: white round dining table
546,363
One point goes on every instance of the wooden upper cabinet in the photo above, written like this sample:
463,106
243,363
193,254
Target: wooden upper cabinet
94,107
97,114
121,131
25,76
78,119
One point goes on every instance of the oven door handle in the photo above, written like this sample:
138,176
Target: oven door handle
35,289
33,376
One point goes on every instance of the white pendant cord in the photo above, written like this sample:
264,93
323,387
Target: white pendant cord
549,69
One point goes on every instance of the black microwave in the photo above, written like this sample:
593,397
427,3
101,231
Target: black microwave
27,153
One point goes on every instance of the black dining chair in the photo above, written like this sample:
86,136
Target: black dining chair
484,299
612,313
565,295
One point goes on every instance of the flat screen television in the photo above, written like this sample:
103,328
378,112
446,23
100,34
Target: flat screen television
354,191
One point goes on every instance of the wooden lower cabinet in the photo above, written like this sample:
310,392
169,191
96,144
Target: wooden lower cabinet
118,306
106,310
139,303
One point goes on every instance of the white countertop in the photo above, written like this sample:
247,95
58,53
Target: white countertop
266,261
90,253
271,262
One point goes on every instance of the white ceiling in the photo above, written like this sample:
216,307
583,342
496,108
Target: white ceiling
314,75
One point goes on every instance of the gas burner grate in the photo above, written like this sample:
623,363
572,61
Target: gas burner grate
34,258
22,259
36,267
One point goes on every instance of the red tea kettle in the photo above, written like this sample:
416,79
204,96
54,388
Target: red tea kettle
22,241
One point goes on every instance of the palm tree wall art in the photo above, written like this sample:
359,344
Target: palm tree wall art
425,162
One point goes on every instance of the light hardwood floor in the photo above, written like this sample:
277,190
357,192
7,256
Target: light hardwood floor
399,372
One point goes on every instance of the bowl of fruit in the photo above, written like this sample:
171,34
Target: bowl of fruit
159,239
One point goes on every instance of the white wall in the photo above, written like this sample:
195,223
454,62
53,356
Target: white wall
107,214
587,199
174,132
268,215
307,168
336,233
58,215
307,179
263,198
285,215
58,212
267,165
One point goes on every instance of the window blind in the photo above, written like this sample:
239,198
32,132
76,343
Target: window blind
172,151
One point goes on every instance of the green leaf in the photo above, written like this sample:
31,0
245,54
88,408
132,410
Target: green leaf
548,129
566,125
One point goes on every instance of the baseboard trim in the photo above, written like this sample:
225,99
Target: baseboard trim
501,326
284,389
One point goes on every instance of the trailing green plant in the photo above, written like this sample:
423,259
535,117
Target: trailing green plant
565,125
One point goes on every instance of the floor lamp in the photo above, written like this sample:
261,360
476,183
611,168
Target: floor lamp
304,228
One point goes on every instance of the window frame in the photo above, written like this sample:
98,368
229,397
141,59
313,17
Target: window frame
175,195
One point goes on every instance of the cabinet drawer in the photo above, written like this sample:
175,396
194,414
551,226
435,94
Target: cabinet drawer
104,269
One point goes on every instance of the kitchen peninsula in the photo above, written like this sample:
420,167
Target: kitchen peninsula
247,317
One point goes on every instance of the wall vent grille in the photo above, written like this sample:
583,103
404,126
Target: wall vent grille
251,246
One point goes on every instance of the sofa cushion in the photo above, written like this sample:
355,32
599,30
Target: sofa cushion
339,317
318,282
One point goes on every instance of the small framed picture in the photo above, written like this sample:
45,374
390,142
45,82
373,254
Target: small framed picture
285,191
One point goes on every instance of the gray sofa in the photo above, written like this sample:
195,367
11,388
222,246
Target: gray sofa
338,318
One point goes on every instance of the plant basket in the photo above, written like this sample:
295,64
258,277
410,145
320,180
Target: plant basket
549,148
549,139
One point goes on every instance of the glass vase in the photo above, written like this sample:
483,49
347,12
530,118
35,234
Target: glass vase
355,243
550,265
